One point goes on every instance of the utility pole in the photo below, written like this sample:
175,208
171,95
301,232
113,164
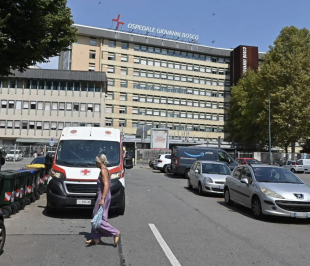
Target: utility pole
269,129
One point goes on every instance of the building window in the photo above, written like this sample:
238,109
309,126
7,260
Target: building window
109,109
124,71
76,107
122,110
136,60
91,67
25,105
25,125
110,95
31,125
123,97
68,106
125,45
111,69
112,44
137,47
135,98
111,82
92,54
54,106
122,123
93,42
111,56
9,124
97,108
53,125
11,104
62,106
108,122
124,58
3,104
2,123
124,83
90,107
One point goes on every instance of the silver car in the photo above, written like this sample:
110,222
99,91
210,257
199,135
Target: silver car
208,176
268,190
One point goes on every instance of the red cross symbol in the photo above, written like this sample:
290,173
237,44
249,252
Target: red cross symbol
118,22
85,172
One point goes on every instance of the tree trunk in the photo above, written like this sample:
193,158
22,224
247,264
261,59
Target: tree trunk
286,148
293,146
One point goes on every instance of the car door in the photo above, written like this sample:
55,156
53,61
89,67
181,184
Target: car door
245,190
234,181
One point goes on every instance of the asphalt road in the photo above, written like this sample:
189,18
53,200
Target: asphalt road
193,230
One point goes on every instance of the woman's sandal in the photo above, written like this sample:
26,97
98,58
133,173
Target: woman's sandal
92,242
116,238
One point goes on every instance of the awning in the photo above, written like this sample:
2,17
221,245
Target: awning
35,141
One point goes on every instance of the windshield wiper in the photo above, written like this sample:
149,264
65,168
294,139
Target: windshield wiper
65,162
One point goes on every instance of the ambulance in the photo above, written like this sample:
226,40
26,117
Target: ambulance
74,174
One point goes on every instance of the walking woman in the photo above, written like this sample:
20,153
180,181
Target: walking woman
103,199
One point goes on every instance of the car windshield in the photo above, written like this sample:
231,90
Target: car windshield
79,153
251,160
275,175
12,152
38,160
219,169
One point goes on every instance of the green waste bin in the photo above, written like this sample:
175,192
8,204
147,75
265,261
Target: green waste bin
35,182
19,191
30,177
7,191
42,183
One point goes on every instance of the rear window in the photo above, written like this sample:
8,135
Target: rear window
299,162
168,156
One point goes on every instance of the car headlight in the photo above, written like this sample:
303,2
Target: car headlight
207,180
270,193
116,175
57,175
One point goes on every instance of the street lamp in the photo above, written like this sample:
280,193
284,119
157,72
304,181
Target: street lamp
269,129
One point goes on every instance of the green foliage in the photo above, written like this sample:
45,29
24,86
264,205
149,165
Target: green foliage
285,74
32,31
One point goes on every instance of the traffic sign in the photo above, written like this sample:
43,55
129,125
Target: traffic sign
52,142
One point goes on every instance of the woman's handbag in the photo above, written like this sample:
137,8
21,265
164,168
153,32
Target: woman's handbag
95,222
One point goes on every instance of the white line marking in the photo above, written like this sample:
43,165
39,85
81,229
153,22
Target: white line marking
173,260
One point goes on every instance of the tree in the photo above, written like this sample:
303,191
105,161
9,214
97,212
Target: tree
283,74
32,31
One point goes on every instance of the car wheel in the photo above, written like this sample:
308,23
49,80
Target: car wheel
200,191
186,174
166,169
2,235
257,208
228,201
189,185
121,209
6,211
293,170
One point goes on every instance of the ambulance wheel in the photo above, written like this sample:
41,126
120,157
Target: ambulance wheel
49,210
18,206
23,204
7,211
14,208
121,209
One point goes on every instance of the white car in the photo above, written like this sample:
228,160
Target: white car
208,176
11,154
294,166
163,162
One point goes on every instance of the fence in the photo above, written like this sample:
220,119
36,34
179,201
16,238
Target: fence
144,156
27,151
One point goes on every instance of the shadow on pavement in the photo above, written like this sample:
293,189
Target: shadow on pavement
101,243
74,213
173,176
267,218
1,252
207,195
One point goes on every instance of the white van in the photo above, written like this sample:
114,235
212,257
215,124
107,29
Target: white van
74,174
305,164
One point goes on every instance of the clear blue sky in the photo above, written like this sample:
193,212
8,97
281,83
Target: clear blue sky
226,23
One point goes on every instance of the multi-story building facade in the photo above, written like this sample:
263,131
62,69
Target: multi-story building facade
37,104
162,83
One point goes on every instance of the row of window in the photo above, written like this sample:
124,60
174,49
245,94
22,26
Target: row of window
167,113
42,125
51,85
47,106
170,52
168,125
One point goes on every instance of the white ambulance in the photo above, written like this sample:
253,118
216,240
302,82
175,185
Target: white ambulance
74,174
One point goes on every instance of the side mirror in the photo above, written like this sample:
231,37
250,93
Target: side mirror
128,163
197,171
49,157
244,181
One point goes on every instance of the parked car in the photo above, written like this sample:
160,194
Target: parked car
17,154
38,160
151,163
305,164
2,232
163,162
294,166
246,160
268,190
208,176
183,157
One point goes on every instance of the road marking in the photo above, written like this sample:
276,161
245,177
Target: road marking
173,260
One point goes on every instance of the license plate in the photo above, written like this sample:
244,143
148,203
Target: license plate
83,202
301,214
221,187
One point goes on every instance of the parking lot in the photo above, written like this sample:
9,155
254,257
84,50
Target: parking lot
196,230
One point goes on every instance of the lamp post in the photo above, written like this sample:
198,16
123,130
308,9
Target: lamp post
269,129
